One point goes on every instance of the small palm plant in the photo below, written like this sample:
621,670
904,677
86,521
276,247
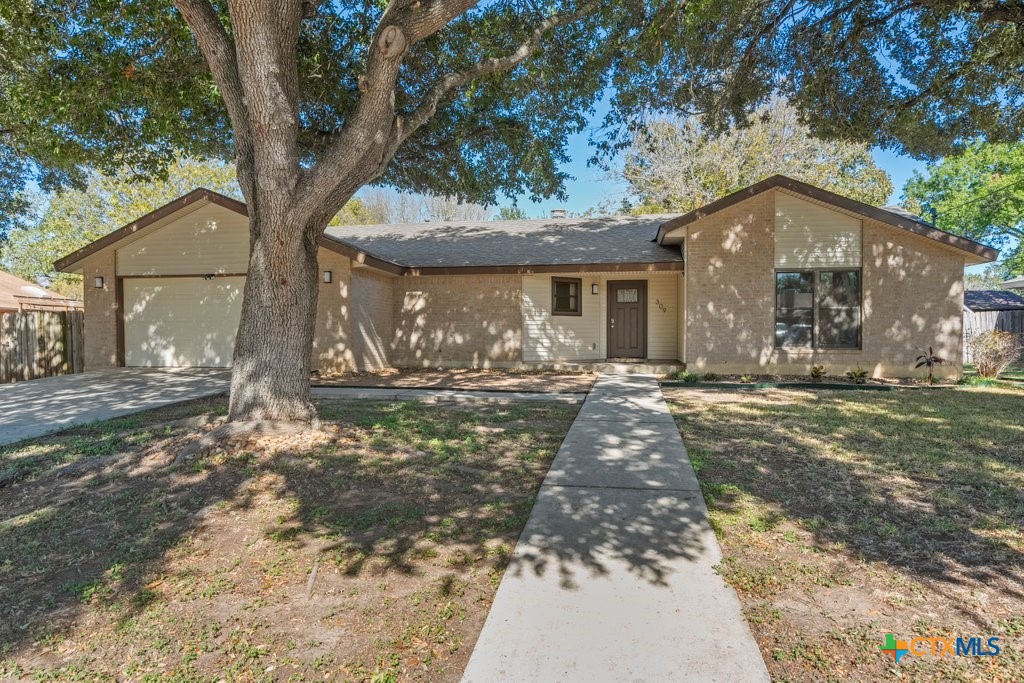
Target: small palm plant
931,360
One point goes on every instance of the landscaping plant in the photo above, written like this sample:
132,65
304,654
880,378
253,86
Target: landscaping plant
931,360
747,379
857,376
994,351
817,373
710,377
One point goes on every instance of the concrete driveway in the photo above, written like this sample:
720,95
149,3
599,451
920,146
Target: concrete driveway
41,406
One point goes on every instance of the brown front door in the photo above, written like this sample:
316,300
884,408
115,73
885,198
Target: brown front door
627,319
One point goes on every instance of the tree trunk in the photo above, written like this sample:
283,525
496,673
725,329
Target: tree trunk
270,376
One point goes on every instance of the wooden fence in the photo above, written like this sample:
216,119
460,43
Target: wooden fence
37,344
976,322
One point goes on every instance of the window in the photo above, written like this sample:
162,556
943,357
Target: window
817,309
565,296
627,296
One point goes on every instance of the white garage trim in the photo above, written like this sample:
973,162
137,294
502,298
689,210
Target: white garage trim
181,321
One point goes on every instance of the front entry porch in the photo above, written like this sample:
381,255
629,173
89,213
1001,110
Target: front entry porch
616,366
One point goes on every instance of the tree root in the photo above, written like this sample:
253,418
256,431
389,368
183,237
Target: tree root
240,433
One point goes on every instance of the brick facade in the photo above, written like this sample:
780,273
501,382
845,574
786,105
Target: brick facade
912,298
466,320
101,312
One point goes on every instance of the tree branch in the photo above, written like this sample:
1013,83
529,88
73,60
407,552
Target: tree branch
369,135
220,56
458,79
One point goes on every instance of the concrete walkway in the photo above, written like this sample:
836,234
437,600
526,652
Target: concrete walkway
40,406
612,578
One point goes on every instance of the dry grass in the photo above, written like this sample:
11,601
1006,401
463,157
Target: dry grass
371,552
846,515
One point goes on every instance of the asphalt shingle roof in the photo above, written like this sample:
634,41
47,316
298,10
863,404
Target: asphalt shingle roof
993,300
555,241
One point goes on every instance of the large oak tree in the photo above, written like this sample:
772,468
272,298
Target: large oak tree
313,100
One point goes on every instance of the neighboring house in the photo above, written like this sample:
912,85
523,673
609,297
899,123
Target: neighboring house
777,277
991,309
1016,283
21,295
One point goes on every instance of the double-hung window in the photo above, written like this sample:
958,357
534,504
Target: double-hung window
818,309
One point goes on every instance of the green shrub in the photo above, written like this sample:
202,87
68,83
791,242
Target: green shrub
817,373
747,379
858,376
688,377
710,377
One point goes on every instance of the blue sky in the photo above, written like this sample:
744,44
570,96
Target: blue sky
592,186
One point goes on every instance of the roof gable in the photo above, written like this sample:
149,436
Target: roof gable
182,204
900,219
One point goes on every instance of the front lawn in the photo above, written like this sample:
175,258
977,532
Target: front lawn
845,515
369,551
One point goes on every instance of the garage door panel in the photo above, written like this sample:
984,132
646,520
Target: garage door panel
181,321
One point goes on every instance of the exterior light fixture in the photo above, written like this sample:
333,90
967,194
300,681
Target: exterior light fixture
593,288
98,282
328,276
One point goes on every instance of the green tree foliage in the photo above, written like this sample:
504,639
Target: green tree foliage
977,194
679,165
110,85
511,213
989,278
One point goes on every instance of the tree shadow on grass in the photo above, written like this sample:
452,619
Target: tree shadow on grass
103,545
927,482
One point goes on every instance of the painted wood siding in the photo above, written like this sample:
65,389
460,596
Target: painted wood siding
808,235
210,239
549,337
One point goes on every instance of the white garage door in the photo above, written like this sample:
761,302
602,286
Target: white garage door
181,321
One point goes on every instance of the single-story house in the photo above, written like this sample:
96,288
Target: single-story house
21,295
777,277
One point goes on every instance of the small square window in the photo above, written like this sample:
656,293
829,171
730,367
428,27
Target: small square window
565,296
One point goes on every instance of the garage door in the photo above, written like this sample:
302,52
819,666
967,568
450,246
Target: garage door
181,321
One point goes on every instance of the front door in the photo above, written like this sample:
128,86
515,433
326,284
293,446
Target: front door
627,319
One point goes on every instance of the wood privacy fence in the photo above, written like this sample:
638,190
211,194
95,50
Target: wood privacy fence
976,322
37,344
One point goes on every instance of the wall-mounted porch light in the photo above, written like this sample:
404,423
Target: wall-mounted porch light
328,276
593,288
97,282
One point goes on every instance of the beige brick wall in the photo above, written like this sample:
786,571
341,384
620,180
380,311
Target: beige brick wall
912,298
372,324
332,347
466,320
101,314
